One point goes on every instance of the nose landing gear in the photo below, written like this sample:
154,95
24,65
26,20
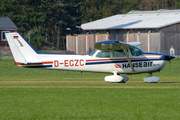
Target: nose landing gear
151,79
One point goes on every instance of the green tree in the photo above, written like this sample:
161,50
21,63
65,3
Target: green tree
64,15
37,38
47,14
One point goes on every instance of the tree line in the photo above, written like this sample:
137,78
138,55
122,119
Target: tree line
97,9
49,21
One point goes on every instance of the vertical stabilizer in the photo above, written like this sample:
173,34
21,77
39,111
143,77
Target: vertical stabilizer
22,51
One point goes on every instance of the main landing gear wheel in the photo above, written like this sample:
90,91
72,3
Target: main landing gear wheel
151,79
116,78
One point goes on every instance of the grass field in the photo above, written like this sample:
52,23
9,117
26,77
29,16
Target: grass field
40,94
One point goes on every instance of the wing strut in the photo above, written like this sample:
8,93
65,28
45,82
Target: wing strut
124,48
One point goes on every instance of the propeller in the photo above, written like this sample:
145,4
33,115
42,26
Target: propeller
169,58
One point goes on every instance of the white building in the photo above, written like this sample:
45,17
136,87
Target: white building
156,30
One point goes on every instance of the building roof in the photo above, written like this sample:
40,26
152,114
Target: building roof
7,24
136,20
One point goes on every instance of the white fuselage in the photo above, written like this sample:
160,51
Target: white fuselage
142,63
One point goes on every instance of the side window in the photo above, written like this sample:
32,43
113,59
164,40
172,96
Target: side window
119,53
103,54
3,37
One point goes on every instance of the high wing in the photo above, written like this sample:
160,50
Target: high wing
135,43
117,45
114,45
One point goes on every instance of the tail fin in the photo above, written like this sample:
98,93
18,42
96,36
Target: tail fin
22,51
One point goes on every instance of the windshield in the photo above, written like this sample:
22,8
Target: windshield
135,51
91,54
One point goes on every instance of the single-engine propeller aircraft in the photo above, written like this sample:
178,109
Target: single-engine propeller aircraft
111,56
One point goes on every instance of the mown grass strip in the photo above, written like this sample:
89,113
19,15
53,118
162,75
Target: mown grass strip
108,87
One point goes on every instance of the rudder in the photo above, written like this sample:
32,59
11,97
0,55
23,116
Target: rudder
22,51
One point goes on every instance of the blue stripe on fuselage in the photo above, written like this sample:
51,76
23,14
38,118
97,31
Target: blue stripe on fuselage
41,66
119,61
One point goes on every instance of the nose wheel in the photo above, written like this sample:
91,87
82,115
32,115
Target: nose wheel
151,79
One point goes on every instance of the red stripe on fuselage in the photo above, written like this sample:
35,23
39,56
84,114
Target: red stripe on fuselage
50,62
99,60
16,63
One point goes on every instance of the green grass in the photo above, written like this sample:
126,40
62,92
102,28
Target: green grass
54,94
6,57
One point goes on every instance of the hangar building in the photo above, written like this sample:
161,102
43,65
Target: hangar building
6,26
158,31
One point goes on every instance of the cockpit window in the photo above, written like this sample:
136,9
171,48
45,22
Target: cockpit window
103,54
91,54
135,51
119,53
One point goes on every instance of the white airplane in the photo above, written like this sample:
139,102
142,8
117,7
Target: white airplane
111,56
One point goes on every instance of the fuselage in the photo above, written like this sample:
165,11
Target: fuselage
101,61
